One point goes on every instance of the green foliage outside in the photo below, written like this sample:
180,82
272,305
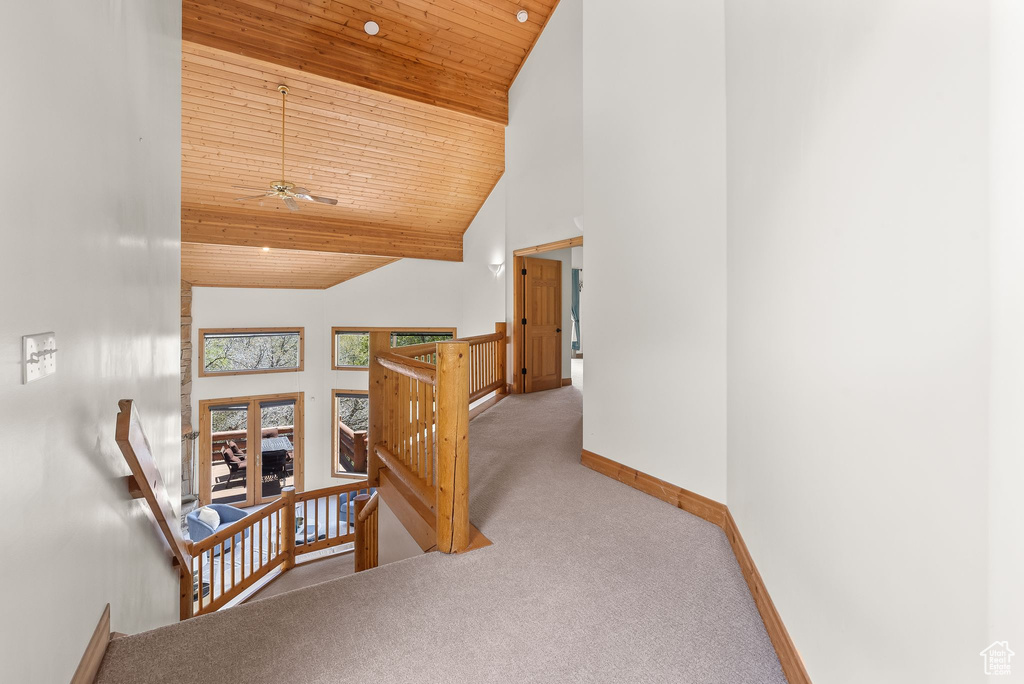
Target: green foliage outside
354,412
353,348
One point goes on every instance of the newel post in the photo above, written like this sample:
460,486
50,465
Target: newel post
380,343
362,542
288,527
502,360
187,591
452,446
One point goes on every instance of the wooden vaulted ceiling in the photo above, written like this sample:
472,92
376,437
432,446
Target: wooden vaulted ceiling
405,129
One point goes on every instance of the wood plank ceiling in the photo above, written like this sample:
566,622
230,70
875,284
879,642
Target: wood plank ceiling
405,129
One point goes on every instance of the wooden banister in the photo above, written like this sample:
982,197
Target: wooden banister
89,665
135,448
418,370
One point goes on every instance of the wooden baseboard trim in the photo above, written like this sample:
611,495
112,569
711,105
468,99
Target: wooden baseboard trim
566,382
718,514
698,505
89,666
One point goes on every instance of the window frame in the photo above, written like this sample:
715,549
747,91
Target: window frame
453,331
336,470
201,359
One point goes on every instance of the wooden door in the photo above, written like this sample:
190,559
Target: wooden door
542,330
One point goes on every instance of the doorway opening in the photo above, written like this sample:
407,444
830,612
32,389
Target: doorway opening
542,323
250,448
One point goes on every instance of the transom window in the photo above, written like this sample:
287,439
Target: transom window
352,345
239,351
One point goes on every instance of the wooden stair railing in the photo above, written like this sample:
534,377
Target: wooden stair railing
145,482
366,532
419,429
229,562
218,569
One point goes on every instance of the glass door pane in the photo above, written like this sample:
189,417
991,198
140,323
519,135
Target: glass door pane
230,455
352,415
277,447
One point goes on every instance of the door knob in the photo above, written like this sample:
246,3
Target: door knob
558,330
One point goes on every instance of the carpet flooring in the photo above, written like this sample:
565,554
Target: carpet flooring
307,574
587,580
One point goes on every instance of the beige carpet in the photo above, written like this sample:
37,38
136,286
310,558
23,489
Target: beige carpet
307,574
588,580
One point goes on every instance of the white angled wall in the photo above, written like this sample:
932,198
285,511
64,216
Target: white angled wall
1006,467
859,327
91,157
654,134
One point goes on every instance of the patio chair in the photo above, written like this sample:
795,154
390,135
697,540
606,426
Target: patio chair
236,464
198,530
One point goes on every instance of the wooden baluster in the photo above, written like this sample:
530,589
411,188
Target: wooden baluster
201,581
222,573
288,496
414,436
316,519
453,446
502,351
380,343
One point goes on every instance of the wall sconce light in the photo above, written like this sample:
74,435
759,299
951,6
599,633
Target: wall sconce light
496,268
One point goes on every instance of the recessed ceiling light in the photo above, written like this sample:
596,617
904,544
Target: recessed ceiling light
522,16
372,28
266,249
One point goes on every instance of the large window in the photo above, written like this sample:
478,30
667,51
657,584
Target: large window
350,422
238,351
352,345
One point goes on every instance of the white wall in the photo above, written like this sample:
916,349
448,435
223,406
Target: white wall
407,293
654,135
1006,467
858,327
92,145
544,152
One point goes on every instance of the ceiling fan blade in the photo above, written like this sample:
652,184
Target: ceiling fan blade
291,204
249,187
323,200
242,199
303,196
300,191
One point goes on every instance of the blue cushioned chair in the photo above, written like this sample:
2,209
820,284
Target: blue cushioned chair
198,530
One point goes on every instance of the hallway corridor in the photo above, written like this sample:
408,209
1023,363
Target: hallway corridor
587,580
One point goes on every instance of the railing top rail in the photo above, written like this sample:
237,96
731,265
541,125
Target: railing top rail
353,486
135,448
370,507
482,339
415,349
234,528
420,370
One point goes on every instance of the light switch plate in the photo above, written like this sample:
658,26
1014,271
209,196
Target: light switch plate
38,356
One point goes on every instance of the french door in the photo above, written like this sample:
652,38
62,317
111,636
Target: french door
250,448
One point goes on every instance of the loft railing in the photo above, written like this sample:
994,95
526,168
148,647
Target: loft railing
419,425
229,562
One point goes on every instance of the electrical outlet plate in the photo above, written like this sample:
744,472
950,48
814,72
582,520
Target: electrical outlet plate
38,356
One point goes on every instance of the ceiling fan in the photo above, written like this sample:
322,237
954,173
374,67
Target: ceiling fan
282,189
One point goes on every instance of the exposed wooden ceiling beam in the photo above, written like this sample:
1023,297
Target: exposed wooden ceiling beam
234,266
287,230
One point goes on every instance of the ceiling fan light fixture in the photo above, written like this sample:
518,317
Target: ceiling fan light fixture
522,15
372,28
